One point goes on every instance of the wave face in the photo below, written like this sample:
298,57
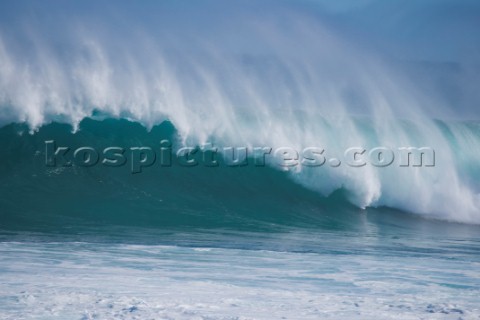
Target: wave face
170,194
249,74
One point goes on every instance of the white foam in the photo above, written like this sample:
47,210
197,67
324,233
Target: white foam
100,281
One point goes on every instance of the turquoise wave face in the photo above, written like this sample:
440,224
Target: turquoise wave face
37,196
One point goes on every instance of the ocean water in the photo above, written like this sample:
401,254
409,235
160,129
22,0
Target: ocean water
244,242
163,227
